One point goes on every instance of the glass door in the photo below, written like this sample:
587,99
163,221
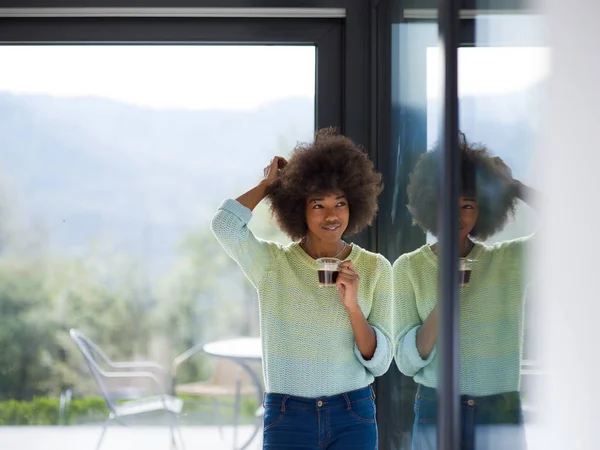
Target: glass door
502,75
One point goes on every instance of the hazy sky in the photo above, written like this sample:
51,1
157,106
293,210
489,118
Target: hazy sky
491,70
182,76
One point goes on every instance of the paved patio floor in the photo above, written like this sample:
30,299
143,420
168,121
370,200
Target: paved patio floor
119,438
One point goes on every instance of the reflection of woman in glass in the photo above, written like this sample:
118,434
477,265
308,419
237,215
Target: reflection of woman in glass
322,346
491,309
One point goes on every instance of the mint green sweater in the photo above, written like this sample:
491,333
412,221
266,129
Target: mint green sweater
307,340
491,317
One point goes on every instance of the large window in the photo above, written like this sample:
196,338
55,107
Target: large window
113,163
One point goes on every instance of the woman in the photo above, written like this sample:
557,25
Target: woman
491,309
322,346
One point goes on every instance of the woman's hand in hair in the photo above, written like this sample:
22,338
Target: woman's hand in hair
271,172
255,195
521,191
503,171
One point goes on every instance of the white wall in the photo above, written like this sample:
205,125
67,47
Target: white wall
567,261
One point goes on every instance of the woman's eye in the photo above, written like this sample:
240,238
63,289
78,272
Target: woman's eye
341,204
317,206
468,207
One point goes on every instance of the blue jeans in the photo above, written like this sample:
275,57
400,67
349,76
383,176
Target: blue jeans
339,422
493,422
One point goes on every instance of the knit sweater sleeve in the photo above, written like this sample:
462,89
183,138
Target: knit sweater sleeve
514,252
407,321
254,256
380,318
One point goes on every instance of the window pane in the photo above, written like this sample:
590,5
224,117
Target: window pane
502,78
113,160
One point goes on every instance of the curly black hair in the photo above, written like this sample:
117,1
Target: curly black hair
332,162
496,198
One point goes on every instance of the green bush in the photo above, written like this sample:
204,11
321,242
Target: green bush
46,411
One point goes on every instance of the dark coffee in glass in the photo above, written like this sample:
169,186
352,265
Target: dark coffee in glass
465,267
328,271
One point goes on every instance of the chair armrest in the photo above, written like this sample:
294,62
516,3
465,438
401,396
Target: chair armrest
138,365
136,374
145,366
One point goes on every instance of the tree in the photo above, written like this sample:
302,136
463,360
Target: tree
25,332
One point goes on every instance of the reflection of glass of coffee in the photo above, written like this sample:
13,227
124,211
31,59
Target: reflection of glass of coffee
465,266
328,270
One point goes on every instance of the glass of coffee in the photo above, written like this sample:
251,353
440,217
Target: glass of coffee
465,266
328,270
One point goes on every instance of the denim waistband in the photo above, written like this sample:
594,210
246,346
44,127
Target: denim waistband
509,398
496,409
318,403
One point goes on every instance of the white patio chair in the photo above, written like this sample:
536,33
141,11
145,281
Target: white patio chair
104,371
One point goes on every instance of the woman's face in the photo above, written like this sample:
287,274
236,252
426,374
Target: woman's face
327,216
468,214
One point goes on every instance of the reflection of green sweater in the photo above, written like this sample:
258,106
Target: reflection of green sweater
307,339
491,317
